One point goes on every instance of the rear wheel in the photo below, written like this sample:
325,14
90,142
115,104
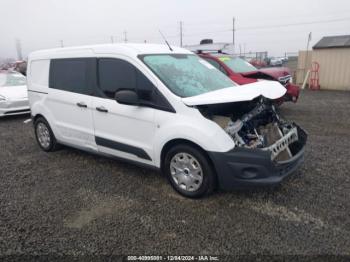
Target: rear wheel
44,135
189,171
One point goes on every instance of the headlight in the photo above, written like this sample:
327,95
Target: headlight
2,98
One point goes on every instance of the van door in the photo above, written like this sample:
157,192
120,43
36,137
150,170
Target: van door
69,100
126,131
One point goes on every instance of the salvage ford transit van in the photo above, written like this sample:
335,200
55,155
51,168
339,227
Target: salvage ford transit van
165,108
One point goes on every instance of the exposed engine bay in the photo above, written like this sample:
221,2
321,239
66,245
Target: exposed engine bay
257,125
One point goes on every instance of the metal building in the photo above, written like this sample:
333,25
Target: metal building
333,55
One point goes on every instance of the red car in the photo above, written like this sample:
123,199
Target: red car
242,72
258,63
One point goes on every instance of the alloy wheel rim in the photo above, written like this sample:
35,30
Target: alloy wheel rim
43,135
186,172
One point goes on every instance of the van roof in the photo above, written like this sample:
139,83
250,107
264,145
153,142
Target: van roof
127,49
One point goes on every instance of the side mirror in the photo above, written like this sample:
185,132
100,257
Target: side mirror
127,97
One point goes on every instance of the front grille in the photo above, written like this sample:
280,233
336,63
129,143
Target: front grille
284,79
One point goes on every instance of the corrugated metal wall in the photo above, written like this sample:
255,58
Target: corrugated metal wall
334,67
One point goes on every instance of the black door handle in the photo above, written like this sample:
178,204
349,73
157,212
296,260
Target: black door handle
101,109
81,104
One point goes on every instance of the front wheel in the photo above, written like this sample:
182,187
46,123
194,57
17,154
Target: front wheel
189,171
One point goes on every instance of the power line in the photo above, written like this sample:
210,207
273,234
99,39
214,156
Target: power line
283,18
270,26
295,24
209,32
311,16
240,29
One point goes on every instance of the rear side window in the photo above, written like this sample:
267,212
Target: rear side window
39,72
71,75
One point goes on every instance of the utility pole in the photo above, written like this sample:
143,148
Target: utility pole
307,54
181,35
61,42
125,36
233,34
19,49
112,39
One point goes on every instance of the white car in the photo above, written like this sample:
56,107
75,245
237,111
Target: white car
13,94
276,61
164,108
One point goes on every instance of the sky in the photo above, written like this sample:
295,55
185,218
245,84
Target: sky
276,26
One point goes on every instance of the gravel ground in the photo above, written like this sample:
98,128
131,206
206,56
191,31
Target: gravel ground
73,203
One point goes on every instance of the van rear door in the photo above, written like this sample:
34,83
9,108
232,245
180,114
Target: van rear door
69,100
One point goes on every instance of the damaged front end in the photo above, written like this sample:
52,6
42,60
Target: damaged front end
262,128
267,148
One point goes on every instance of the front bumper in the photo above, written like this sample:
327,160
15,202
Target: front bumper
292,93
242,167
14,107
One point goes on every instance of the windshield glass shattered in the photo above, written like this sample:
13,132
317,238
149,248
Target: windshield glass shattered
12,79
186,74
237,65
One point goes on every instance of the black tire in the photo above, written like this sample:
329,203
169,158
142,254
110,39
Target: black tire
208,174
52,145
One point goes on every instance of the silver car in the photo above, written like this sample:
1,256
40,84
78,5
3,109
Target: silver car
13,94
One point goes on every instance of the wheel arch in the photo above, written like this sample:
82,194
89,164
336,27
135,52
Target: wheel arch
38,116
47,119
176,141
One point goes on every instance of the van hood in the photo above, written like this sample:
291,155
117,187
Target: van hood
268,89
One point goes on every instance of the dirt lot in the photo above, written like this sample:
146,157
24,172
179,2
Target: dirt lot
70,202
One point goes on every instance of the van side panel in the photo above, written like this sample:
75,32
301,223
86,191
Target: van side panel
37,84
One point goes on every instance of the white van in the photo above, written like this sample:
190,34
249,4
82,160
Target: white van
163,108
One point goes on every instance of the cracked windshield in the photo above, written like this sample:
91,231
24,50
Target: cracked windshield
187,75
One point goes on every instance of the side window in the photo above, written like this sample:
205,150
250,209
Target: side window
70,75
115,74
216,65
145,89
